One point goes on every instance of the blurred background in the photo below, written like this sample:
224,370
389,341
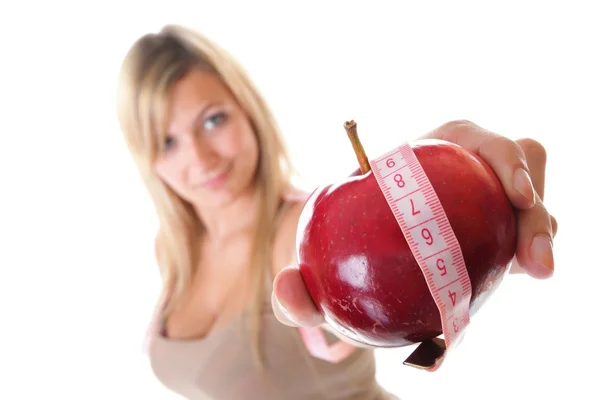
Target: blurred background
78,279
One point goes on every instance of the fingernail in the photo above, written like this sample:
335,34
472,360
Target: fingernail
282,308
523,184
541,251
285,312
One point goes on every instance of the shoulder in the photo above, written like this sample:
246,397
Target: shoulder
285,239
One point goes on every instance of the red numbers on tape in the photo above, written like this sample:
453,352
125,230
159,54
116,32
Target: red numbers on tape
423,221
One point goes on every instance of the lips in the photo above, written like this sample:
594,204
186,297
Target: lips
215,180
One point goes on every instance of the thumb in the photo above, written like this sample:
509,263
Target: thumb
291,302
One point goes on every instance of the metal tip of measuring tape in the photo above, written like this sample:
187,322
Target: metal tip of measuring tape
428,355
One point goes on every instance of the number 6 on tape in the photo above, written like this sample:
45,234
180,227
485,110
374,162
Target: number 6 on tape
423,221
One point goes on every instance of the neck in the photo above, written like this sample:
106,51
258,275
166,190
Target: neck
239,215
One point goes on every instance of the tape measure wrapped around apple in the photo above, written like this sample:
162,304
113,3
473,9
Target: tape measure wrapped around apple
407,248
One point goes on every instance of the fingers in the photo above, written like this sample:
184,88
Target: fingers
537,227
291,301
535,241
504,156
535,156
508,161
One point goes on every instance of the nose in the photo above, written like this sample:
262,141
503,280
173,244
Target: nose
199,155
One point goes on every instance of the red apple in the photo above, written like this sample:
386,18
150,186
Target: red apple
359,269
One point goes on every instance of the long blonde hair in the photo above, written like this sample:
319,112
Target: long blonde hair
155,62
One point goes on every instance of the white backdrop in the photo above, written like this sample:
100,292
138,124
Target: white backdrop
78,278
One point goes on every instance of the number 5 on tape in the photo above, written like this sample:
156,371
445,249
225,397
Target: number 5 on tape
423,221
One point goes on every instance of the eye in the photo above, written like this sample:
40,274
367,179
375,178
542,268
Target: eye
168,143
213,121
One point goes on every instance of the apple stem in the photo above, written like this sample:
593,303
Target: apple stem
361,156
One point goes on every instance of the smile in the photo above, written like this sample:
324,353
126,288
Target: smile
215,181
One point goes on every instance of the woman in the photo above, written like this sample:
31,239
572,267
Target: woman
212,159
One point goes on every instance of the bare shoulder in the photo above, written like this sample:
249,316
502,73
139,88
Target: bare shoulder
285,240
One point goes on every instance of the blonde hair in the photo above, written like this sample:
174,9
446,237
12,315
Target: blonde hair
155,62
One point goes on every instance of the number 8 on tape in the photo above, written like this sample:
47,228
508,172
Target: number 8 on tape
423,221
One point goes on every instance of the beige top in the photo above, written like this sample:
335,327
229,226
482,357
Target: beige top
220,366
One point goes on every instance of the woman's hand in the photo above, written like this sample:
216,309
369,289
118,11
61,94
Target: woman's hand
520,166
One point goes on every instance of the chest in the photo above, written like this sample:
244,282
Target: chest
218,293
222,288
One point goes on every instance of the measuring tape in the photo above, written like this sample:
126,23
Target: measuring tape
423,221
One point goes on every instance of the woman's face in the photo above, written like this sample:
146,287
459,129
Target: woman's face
210,154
